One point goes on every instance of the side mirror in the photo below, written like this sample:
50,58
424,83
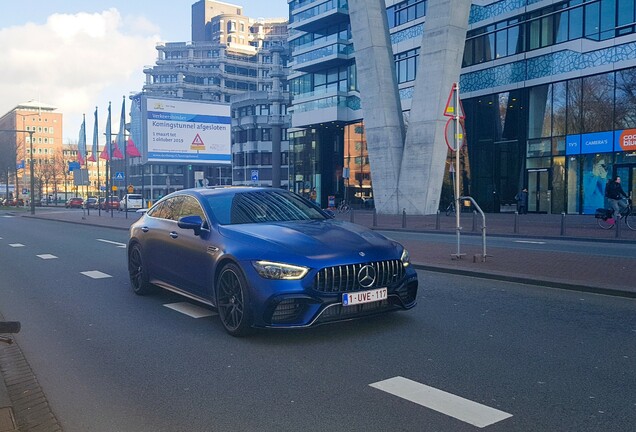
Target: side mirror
330,213
191,222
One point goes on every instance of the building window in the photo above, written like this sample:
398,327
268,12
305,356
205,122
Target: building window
406,65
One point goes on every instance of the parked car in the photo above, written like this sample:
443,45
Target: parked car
111,202
131,202
90,203
267,257
74,202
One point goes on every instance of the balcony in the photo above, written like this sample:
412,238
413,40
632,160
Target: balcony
330,12
323,57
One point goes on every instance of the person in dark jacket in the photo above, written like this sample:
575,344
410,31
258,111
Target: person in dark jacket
616,196
522,201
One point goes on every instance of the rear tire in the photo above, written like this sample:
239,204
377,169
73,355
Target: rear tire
138,272
232,301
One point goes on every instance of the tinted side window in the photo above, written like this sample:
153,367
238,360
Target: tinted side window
168,209
191,207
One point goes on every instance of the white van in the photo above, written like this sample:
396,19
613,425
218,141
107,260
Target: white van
131,202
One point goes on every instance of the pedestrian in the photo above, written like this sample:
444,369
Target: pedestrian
313,195
522,201
616,196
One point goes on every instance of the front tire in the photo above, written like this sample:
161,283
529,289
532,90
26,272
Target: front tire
232,301
630,220
138,272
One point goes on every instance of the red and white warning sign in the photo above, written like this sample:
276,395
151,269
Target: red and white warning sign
197,143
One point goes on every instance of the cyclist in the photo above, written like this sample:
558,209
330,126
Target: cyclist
616,196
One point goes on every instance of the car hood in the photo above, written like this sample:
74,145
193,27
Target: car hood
312,240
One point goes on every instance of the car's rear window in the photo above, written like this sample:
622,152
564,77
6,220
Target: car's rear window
135,197
260,207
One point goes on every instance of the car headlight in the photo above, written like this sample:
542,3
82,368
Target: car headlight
274,270
405,258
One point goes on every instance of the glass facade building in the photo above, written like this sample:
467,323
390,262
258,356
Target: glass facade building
548,88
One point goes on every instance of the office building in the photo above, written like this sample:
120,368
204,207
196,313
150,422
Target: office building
547,87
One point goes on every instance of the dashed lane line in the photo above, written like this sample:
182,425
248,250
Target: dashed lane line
47,256
530,242
446,403
191,310
14,245
118,244
95,274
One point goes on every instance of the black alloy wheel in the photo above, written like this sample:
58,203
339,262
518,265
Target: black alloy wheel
232,301
137,272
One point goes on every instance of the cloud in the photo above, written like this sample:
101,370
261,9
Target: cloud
76,62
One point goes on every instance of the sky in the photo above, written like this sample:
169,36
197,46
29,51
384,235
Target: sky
77,55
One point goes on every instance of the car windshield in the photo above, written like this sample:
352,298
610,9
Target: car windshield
261,207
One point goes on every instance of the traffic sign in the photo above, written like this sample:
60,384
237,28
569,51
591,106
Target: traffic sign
131,188
114,188
119,175
454,106
455,141
254,175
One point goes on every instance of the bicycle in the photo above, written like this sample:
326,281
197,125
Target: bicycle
344,207
451,208
8,327
605,218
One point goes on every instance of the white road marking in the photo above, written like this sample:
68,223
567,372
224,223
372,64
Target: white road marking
47,256
529,242
446,403
16,245
121,245
7,216
96,274
191,310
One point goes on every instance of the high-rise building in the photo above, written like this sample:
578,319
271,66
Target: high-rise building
44,124
548,89
229,55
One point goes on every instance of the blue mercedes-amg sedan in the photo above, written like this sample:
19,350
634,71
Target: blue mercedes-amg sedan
267,257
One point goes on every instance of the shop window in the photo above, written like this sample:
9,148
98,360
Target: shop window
598,102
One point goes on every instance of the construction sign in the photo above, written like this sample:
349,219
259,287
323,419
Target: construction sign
197,143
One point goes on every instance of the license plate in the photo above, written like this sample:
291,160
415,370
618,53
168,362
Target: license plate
354,298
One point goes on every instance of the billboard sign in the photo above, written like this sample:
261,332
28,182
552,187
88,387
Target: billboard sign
625,140
598,142
184,131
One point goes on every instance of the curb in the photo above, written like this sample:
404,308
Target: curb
544,282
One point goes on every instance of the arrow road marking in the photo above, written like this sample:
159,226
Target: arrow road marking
190,309
446,403
121,245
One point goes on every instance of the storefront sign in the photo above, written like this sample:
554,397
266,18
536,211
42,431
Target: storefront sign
599,142
573,145
625,140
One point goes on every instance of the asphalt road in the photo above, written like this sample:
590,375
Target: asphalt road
508,357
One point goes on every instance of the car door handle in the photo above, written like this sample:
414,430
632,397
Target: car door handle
174,234
145,229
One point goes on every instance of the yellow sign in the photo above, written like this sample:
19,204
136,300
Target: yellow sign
131,188
114,188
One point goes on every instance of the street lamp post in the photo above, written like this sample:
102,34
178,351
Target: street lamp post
30,164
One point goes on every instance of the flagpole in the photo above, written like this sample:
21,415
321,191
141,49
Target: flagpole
96,157
123,144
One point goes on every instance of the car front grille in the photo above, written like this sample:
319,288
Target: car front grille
345,278
287,311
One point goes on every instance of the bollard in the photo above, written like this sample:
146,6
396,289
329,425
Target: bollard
617,224
351,217
563,223
474,218
516,229
375,218
403,218
437,221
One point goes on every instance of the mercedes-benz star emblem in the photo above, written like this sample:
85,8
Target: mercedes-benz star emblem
366,276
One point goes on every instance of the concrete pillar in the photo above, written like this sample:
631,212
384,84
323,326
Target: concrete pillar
384,125
425,149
